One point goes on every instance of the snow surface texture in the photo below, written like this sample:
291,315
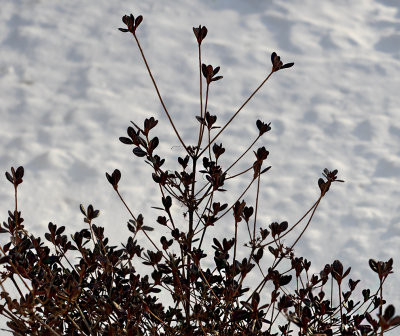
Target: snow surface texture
70,83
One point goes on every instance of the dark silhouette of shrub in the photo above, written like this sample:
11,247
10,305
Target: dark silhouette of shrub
103,293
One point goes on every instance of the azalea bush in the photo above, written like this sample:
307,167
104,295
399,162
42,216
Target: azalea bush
165,288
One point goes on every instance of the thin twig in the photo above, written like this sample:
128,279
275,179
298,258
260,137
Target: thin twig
236,113
159,95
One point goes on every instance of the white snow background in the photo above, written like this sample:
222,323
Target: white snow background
70,83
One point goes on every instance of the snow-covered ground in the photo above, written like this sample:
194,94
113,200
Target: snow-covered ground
70,83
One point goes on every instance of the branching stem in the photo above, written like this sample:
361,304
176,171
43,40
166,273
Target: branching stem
236,113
